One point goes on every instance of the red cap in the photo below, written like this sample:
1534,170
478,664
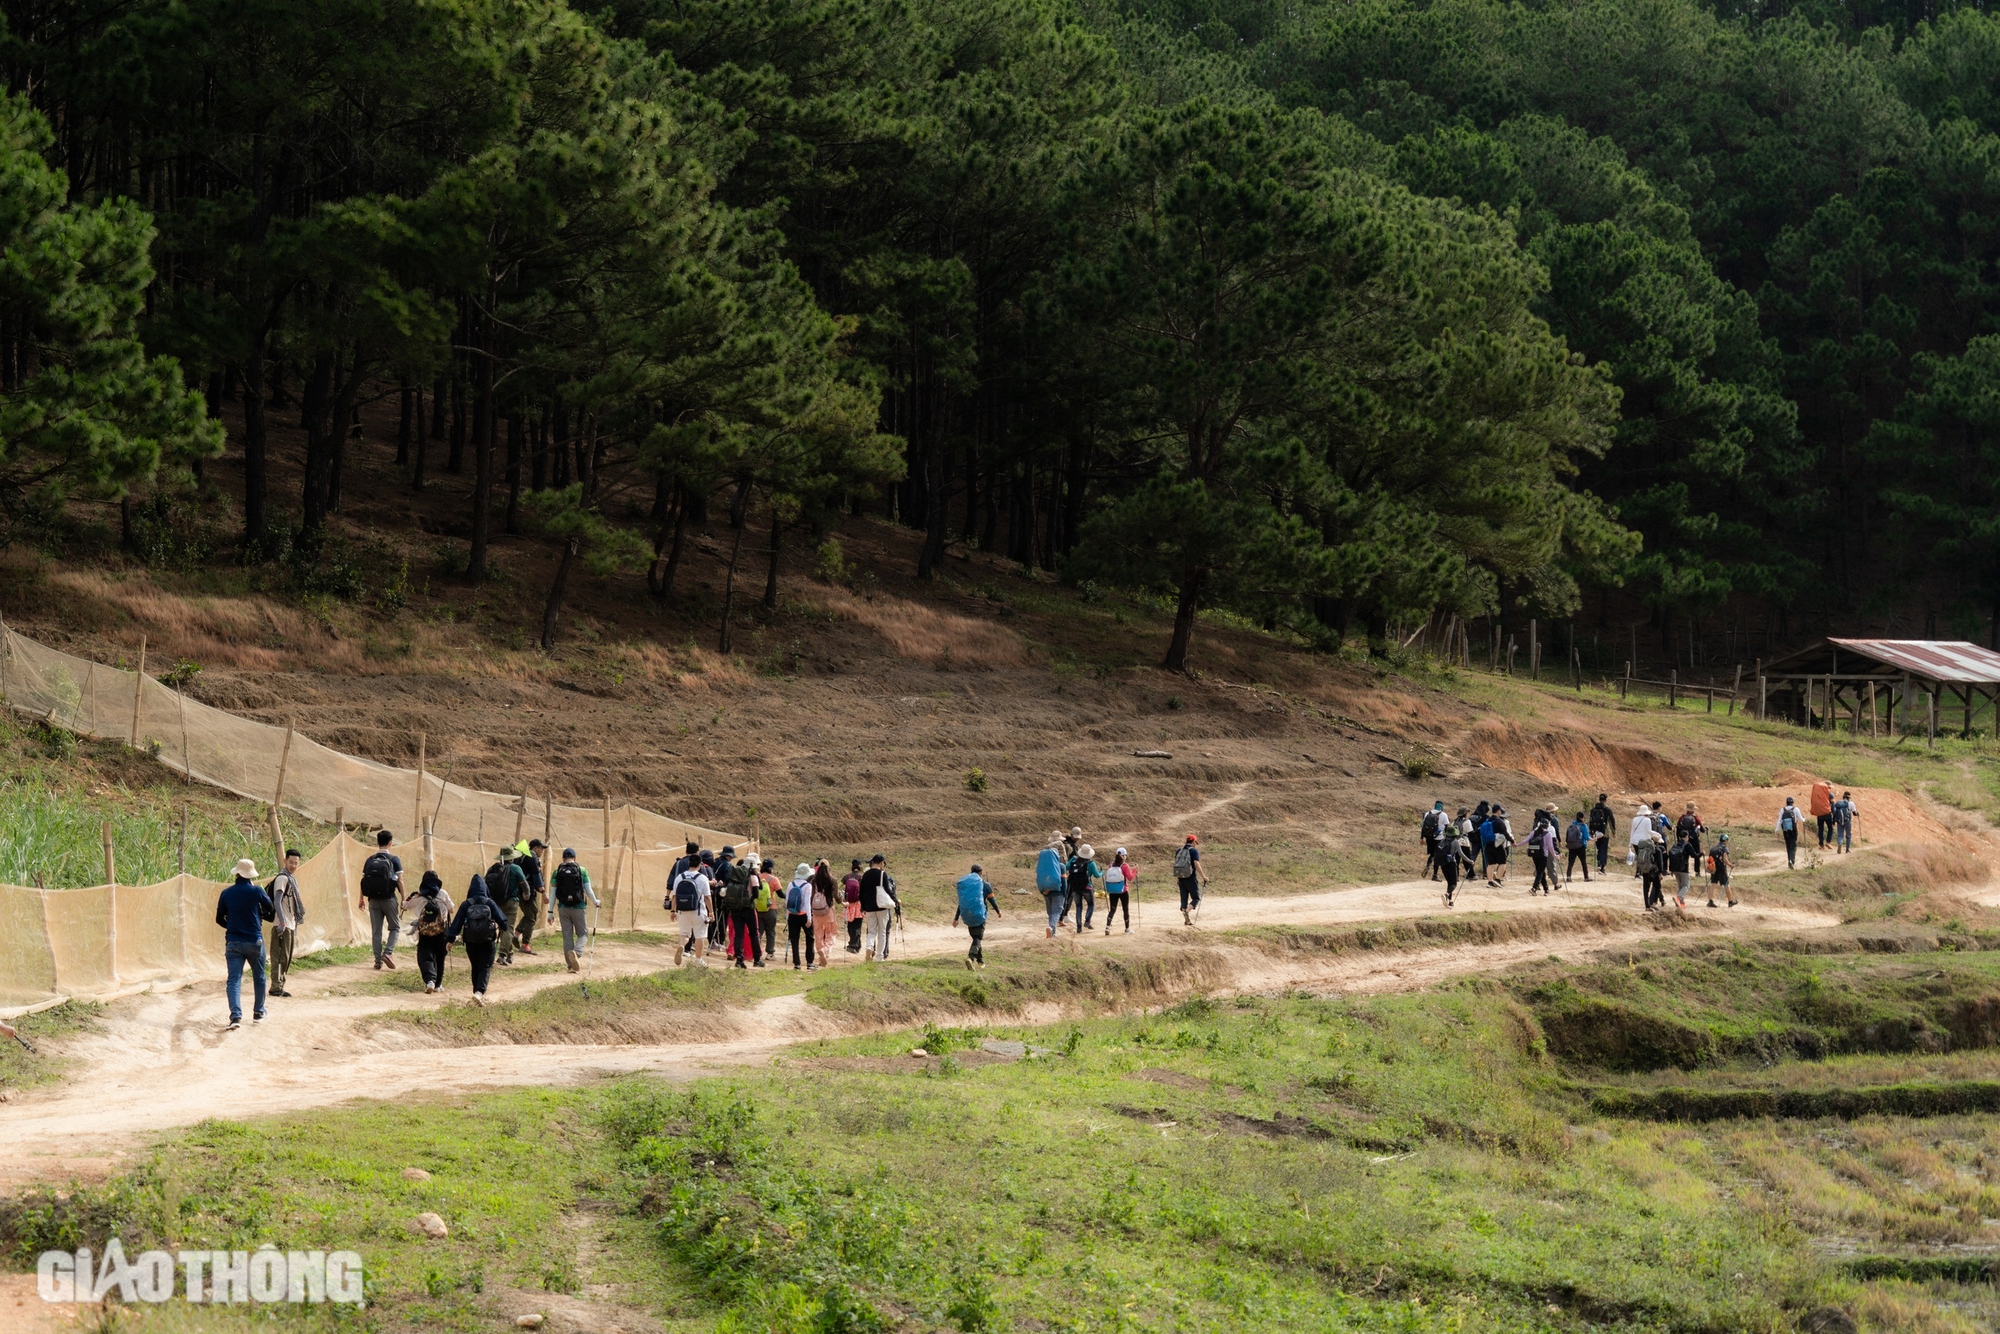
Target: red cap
1193,838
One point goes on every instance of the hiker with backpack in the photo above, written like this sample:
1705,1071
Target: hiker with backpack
878,903
1542,852
381,895
1577,839
799,915
1451,853
1051,879
690,902
1718,871
769,895
975,900
850,896
1822,809
479,925
1428,828
1496,836
1118,881
826,894
1082,897
1689,829
1190,876
291,913
1481,814
1644,848
507,886
241,911
739,910
571,898
1603,828
1681,861
1843,823
528,856
430,908
1789,820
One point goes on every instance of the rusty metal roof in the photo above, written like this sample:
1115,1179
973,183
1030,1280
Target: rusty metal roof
1931,659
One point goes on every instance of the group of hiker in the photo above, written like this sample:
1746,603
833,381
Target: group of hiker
721,902
1067,874
1478,841
495,920
1833,821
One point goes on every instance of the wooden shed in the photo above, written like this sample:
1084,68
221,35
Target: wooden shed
1906,686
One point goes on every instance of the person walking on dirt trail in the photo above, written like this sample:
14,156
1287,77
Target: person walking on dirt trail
1190,876
1689,829
1072,841
571,898
1428,829
1603,828
1643,852
528,856
690,901
1789,820
1082,897
430,909
1542,851
1480,814
739,910
825,895
505,885
799,914
381,893
241,911
291,912
975,900
850,894
1843,823
1451,853
1498,836
1682,860
479,925
1118,879
1822,809
878,902
1052,879
1577,840
1718,871
769,895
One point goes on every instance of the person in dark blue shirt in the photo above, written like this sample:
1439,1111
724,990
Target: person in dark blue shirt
241,912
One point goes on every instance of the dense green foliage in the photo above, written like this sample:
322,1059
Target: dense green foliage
1332,313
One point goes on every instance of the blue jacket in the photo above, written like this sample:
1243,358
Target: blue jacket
1048,871
475,893
242,910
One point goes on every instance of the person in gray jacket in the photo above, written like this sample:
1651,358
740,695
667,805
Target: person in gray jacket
291,914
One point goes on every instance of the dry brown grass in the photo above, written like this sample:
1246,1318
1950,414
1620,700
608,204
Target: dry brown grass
1879,1180
1574,761
251,631
925,634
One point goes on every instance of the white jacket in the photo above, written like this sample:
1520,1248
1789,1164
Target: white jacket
1643,829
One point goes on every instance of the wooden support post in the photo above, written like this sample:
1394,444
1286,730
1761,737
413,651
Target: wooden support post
1534,649
1930,716
138,691
1965,711
521,816
1763,696
1735,689
1872,734
184,839
549,819
1673,687
355,932
284,763
1625,681
417,812
1904,700
1576,668
430,853
111,911
277,836
1510,655
1826,713
607,821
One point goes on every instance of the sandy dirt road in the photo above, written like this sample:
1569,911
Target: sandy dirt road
163,1060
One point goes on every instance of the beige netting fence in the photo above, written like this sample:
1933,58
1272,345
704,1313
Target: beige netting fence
111,940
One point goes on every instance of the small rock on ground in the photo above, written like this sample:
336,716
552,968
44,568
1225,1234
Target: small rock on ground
431,1226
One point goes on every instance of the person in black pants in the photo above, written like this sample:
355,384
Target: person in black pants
1789,820
1603,828
478,924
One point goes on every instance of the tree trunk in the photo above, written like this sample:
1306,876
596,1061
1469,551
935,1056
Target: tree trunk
405,420
538,454
455,459
1177,648
424,439
729,589
771,575
665,585
556,590
559,445
482,463
256,435
440,392
935,515
739,508
319,449
513,473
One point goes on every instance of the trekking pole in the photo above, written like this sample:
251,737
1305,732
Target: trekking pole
589,939
15,1034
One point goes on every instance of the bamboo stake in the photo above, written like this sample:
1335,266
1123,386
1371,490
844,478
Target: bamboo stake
1735,689
111,880
284,762
430,854
417,813
521,815
607,822
110,862
277,836
184,839
138,691
354,931
187,756
6,652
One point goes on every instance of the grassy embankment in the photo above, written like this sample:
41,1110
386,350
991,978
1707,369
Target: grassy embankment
1436,1161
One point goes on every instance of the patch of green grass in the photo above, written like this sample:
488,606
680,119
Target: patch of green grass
20,1068
648,1007
332,957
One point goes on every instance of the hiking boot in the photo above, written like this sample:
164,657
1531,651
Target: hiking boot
233,1025
968,965
1107,930
256,1018
742,965
378,963
479,998
758,964
1711,903
389,961
679,951
569,957
507,962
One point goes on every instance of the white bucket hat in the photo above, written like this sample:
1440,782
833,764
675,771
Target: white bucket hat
247,869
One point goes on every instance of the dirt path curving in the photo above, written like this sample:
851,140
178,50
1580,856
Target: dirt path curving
163,1060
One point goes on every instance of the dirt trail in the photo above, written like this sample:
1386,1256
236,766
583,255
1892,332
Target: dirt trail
162,1060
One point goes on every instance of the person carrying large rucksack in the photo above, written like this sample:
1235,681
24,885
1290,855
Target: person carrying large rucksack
1050,880
1428,830
478,926
571,898
430,908
1190,876
690,901
381,895
739,909
507,887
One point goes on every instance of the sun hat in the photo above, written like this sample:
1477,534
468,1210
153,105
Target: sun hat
247,869
1085,851
803,870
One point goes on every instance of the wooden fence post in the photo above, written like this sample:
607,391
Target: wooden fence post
1930,714
1871,711
1534,650
1763,697
138,691
417,813
1673,687
111,909
284,763
1625,681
